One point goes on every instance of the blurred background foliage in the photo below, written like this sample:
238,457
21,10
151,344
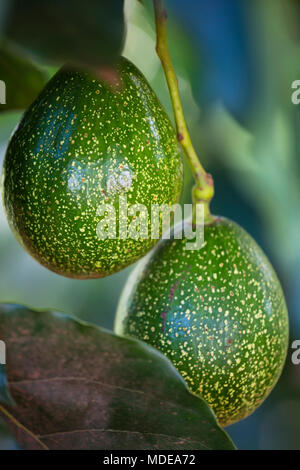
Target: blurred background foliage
236,61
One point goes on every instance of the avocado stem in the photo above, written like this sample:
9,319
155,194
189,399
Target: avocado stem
203,191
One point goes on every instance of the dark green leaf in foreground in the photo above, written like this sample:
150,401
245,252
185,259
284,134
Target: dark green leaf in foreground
88,33
76,386
24,80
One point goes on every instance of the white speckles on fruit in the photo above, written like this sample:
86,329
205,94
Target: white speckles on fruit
218,313
79,144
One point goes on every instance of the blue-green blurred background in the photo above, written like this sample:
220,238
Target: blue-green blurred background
236,61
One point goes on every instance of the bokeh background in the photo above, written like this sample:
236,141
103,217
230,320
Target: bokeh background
236,61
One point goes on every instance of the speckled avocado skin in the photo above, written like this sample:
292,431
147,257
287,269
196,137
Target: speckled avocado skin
218,313
82,144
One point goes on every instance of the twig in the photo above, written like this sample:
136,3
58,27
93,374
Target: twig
203,191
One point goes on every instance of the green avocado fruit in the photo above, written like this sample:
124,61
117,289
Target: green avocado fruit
217,313
80,146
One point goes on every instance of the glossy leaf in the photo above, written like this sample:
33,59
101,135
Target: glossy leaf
77,386
89,33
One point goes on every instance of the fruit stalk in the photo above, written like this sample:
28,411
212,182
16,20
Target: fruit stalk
203,190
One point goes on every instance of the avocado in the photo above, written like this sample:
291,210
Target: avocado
218,313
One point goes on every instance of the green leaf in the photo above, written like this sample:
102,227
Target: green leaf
23,79
88,33
76,386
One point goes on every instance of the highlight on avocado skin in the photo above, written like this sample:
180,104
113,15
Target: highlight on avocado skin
81,144
218,314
